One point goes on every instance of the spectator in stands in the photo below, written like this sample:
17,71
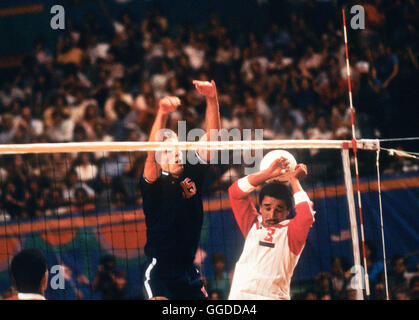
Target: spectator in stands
73,183
214,295
338,278
118,94
85,168
321,131
29,273
7,128
82,203
195,50
90,118
220,283
55,203
115,165
61,127
13,201
289,130
68,52
9,293
35,126
310,295
401,295
374,265
397,276
109,282
324,286
414,288
101,134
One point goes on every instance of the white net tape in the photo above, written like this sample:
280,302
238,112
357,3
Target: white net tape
184,145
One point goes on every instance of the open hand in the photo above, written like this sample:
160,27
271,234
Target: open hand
206,88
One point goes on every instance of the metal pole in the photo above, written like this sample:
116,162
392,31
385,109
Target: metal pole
358,284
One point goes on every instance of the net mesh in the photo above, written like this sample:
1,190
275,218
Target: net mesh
84,209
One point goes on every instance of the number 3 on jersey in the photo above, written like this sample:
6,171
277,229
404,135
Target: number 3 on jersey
189,188
269,235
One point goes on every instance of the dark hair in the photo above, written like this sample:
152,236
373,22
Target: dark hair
108,263
396,258
27,269
276,190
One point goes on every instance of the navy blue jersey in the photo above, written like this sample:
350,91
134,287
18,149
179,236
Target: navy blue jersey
174,213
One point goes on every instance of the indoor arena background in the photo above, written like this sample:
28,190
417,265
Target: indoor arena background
278,65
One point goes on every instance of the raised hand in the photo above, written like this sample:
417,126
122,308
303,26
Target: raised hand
206,88
169,104
278,167
300,172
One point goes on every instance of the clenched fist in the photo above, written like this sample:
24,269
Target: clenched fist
206,88
169,104
300,171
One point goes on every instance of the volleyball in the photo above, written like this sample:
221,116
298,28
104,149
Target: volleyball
276,154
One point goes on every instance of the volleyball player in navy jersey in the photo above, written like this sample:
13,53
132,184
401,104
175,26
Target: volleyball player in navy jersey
172,204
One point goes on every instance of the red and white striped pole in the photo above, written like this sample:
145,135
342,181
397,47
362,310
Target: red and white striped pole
354,148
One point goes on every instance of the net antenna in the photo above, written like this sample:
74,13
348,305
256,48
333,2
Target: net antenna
382,223
354,148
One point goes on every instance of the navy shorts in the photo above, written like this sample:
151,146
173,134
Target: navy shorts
183,284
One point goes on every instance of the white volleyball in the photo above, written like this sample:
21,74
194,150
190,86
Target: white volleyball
276,154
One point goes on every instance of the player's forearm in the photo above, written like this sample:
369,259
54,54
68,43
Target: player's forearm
212,123
295,185
256,179
212,115
151,167
159,123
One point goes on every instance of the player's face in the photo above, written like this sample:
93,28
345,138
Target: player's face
273,211
173,163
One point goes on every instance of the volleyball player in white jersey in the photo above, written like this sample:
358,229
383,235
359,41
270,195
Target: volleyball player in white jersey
273,244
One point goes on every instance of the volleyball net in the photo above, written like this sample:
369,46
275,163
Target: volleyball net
81,204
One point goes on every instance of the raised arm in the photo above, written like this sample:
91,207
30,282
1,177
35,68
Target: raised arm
212,114
244,210
166,105
299,226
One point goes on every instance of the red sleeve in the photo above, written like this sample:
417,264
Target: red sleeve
244,211
299,227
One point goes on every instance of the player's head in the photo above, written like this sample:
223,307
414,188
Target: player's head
219,262
171,160
275,201
29,271
108,262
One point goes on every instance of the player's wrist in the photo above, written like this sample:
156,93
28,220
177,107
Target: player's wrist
268,174
246,185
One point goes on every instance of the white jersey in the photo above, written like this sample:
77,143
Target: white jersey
270,255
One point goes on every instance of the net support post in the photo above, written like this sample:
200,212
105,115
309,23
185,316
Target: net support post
356,282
